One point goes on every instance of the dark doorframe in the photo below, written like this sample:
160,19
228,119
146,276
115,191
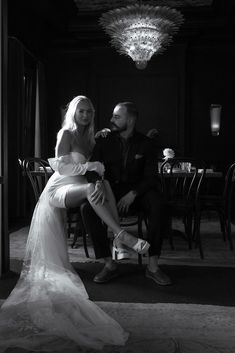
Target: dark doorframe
4,236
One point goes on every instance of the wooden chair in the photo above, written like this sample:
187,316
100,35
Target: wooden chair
221,204
38,171
181,190
37,180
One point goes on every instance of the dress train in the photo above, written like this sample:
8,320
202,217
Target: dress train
49,310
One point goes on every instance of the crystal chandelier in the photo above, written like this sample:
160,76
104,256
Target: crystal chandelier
140,31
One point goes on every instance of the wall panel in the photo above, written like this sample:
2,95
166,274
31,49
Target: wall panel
156,97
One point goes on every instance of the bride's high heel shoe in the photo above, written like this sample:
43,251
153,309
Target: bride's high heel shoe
141,246
120,253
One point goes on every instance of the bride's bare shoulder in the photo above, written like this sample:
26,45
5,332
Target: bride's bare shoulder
65,132
63,145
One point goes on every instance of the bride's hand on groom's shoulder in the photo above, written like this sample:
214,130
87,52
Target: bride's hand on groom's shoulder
102,133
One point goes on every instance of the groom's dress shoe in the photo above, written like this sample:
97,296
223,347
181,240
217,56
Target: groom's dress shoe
106,275
159,277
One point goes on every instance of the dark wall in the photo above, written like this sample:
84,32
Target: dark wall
67,76
211,79
108,78
173,93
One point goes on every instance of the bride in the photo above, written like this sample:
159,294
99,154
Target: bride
49,308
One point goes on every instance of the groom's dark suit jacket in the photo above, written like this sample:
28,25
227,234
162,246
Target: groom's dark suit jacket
136,166
128,166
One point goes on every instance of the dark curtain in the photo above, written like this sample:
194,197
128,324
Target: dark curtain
40,141
16,183
27,128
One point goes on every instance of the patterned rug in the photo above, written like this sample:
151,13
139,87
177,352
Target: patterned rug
171,328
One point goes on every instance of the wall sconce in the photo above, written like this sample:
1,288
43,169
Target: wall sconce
215,114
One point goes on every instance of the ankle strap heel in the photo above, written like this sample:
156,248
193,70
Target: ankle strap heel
118,234
141,246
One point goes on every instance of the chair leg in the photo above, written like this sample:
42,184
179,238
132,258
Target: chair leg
83,234
69,230
80,231
197,235
84,237
223,225
140,235
146,222
228,231
169,232
188,229
75,236
170,237
140,229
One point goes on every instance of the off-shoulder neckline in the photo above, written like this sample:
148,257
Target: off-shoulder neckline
81,154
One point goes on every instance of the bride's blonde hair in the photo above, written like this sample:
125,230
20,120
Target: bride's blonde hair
69,121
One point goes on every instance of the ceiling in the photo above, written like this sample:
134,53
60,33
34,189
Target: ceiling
72,24
103,5
200,16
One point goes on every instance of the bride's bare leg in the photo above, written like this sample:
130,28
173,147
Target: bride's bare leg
121,252
77,193
123,237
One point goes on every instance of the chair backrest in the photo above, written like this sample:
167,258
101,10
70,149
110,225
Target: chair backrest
20,161
229,189
38,172
182,178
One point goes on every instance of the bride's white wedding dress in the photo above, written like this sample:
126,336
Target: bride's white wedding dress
49,309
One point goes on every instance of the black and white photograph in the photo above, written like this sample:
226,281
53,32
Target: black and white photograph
117,176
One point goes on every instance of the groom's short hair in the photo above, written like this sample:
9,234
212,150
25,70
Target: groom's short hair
130,108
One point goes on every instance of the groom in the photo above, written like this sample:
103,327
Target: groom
131,169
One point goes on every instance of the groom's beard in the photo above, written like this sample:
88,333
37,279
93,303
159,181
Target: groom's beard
116,128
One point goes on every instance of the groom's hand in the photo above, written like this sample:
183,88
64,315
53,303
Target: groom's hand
103,133
125,202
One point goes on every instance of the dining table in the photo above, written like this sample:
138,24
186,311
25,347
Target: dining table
182,174
176,174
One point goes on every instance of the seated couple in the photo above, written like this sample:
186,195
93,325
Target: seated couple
130,167
49,307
